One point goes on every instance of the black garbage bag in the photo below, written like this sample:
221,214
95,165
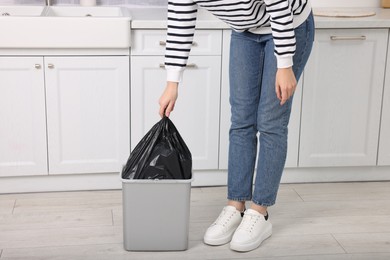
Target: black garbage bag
161,154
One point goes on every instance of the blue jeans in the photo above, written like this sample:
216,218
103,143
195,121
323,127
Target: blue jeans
255,108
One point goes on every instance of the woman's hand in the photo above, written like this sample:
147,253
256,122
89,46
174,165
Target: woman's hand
285,84
168,98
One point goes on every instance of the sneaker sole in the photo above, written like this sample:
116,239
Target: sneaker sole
218,241
253,245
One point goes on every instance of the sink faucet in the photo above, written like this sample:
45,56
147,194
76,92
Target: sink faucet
48,2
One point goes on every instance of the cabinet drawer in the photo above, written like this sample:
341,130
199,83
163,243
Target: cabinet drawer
152,42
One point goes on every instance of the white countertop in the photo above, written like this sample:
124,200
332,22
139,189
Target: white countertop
155,18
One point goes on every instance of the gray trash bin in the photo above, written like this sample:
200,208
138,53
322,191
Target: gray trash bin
156,214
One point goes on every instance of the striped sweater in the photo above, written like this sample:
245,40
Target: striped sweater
278,17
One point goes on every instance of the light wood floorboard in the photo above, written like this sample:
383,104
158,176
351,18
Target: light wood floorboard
365,242
343,191
69,202
6,205
57,219
329,221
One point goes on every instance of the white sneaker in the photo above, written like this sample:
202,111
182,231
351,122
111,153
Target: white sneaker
221,231
253,230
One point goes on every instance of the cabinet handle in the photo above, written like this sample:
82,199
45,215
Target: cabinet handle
348,38
50,66
163,43
191,65
38,66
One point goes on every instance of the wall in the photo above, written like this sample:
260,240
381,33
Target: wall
315,3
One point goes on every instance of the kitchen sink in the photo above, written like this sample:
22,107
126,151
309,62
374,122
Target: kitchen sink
82,11
21,10
62,27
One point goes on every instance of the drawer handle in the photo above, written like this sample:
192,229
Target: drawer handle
163,43
191,65
38,66
348,38
50,66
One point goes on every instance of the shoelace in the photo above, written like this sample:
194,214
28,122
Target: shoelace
248,222
224,217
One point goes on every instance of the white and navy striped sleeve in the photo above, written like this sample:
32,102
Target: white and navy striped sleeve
180,33
281,19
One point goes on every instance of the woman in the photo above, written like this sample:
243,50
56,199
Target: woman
270,44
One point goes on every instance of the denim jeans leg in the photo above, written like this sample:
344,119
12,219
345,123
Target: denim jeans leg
273,119
246,62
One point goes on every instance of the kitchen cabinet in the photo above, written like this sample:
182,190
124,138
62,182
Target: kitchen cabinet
22,116
73,117
294,124
342,95
67,115
196,113
384,139
87,113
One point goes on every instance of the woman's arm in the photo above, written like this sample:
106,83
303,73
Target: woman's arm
180,34
284,39
281,19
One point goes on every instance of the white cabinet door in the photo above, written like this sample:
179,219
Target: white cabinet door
341,101
293,128
384,139
196,113
88,113
22,117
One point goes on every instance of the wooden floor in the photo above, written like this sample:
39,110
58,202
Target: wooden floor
311,221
